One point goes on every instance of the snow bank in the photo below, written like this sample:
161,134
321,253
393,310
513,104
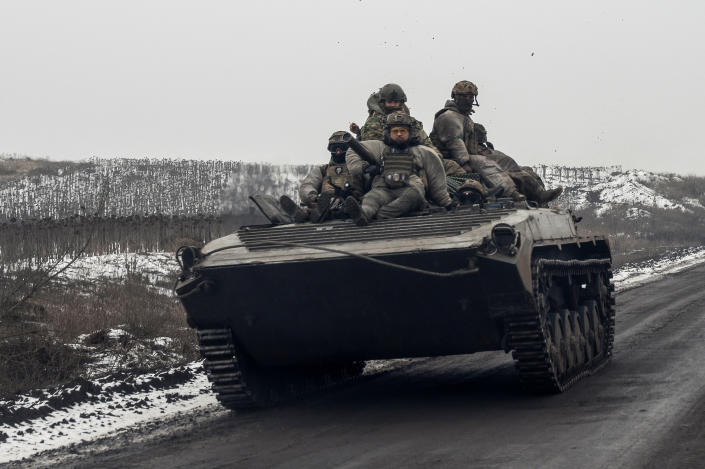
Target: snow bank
634,275
109,413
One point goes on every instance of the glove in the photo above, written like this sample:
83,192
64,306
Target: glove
372,170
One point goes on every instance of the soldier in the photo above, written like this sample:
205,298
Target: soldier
325,187
452,135
404,164
460,139
525,178
390,98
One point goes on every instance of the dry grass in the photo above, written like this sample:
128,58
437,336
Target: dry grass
30,358
638,239
33,347
683,186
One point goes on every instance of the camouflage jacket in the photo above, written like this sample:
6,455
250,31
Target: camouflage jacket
373,129
453,134
429,177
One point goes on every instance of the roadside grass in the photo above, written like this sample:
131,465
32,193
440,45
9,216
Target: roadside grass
83,329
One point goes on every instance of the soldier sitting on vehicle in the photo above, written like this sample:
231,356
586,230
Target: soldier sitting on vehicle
390,98
525,178
403,164
455,135
325,187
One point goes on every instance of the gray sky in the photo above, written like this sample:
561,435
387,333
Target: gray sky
588,83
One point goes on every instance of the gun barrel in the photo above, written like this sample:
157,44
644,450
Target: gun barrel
359,148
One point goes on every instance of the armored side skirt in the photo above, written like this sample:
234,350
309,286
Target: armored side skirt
341,309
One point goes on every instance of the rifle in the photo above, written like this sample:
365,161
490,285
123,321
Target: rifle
360,149
326,203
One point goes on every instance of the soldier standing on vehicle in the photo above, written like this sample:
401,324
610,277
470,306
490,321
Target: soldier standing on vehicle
390,98
460,139
404,165
325,187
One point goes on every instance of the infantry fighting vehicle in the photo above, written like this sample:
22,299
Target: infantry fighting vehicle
283,309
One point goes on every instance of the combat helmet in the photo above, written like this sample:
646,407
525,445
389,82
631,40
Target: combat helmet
338,140
399,118
465,95
464,87
392,92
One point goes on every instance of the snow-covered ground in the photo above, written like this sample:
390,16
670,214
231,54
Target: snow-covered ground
636,274
107,408
91,410
154,266
110,408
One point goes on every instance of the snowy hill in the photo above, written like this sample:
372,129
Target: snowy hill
604,188
189,187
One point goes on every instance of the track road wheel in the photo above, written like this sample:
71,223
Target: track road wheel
557,345
598,331
588,334
554,347
569,340
578,338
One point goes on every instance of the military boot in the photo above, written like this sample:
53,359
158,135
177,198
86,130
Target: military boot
320,211
292,209
544,197
530,184
354,211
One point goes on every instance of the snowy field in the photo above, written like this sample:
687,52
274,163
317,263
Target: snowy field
633,275
91,410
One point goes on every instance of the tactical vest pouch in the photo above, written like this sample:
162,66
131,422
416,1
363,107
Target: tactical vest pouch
338,176
396,169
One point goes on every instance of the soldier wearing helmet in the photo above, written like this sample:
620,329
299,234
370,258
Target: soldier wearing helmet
464,97
408,171
453,135
464,93
325,187
390,98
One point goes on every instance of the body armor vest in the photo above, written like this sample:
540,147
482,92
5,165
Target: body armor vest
397,168
338,178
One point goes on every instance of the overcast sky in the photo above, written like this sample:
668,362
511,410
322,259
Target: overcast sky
588,83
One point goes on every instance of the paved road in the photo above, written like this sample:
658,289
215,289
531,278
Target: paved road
646,408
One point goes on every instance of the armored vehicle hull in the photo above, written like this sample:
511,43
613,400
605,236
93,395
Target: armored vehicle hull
283,309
